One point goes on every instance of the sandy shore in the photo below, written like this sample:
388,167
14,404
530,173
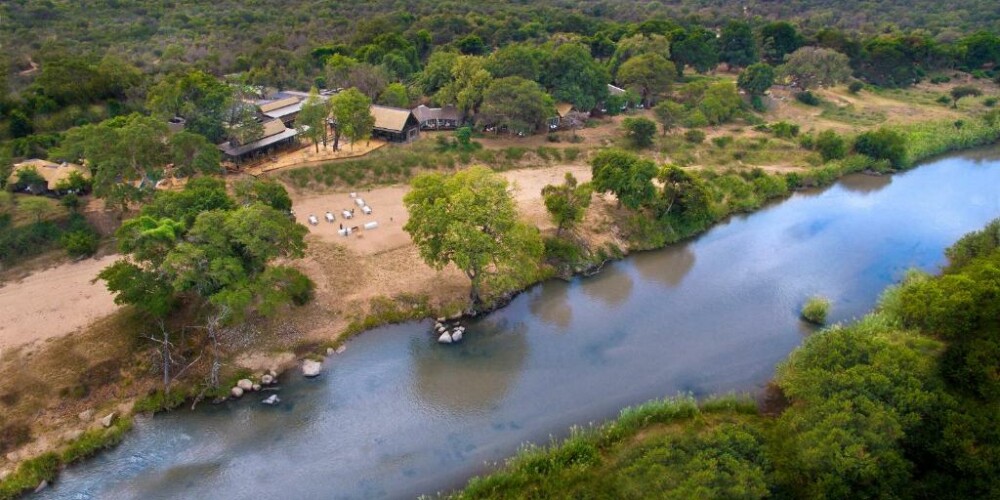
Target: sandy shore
54,302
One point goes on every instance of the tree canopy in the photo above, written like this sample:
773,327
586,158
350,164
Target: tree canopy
469,219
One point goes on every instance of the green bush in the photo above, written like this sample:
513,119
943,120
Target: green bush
855,87
940,79
80,243
784,129
695,119
816,309
882,144
694,136
830,145
808,98
989,102
722,141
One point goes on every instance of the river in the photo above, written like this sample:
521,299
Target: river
398,415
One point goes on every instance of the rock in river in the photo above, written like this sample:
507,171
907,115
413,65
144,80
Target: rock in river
236,392
271,400
445,338
311,368
245,384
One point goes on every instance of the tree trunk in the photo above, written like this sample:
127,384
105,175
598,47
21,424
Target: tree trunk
336,139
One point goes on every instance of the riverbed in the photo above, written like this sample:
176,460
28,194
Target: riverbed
398,415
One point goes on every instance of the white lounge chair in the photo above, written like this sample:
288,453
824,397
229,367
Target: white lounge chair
330,217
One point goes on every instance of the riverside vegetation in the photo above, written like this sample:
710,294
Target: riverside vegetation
900,403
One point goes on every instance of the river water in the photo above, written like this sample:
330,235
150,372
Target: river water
398,415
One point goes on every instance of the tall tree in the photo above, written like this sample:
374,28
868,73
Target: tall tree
624,174
668,113
639,131
518,104
469,79
737,46
778,39
469,219
395,95
638,44
816,67
567,202
756,78
572,75
649,75
351,111
199,98
311,120
696,47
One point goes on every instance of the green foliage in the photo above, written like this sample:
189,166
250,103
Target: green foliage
816,309
649,75
395,95
882,144
198,243
257,190
567,203
756,78
469,219
29,475
961,91
515,103
855,87
695,47
816,67
311,121
572,75
778,39
784,130
737,45
694,136
351,110
80,243
668,114
807,98
830,145
625,175
720,103
639,131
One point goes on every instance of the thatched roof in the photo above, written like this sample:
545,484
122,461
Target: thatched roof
391,119
273,127
563,109
280,103
53,173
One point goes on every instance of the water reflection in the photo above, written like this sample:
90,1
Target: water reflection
668,267
612,286
551,305
865,184
473,376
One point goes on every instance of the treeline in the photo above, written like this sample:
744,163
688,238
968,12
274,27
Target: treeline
901,404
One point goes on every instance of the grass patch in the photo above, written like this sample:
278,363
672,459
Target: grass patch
851,115
816,309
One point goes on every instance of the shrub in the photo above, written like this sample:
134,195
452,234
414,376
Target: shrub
989,102
882,144
855,87
571,154
695,119
816,309
722,141
552,137
943,99
694,136
808,98
80,243
785,130
830,145
807,141
940,79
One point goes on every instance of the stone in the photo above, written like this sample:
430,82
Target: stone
330,351
256,387
445,338
86,415
442,319
456,316
341,349
273,399
108,420
311,368
42,485
245,384
457,335
236,392
267,379
438,325
272,373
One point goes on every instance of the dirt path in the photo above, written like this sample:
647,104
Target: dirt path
53,302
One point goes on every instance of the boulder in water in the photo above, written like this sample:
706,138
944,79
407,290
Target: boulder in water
341,349
271,400
256,387
245,384
445,338
456,335
267,379
311,368
236,392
